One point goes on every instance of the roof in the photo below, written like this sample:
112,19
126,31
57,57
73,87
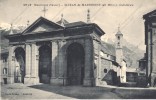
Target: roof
148,15
119,33
67,24
74,24
108,48
42,20
142,59
60,21
42,25
4,51
131,69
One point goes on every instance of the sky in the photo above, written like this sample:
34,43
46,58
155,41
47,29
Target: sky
108,14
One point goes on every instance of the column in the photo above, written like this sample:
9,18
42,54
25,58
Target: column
34,64
28,64
89,79
11,67
54,71
60,59
153,61
154,57
60,65
99,63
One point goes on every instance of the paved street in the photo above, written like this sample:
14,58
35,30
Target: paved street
45,91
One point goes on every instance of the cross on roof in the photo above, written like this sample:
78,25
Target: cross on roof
44,10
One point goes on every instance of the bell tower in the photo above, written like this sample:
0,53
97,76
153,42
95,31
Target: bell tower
119,52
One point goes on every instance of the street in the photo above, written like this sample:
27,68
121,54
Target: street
45,91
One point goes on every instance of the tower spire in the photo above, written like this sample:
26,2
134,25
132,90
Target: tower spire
88,16
119,52
119,32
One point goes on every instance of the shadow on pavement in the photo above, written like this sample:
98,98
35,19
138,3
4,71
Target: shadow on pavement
81,92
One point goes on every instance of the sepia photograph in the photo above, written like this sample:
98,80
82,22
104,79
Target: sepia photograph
77,49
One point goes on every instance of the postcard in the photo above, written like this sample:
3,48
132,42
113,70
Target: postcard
78,49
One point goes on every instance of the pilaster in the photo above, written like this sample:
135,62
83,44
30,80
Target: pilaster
99,63
11,67
28,64
34,64
88,79
54,71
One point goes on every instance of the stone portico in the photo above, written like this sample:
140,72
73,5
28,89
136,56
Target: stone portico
44,48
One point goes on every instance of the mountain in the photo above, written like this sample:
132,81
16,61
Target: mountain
5,30
131,52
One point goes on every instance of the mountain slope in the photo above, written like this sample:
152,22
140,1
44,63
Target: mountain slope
131,53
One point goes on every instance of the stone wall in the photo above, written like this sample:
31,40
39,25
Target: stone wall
106,71
4,68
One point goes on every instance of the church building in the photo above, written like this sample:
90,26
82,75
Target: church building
62,53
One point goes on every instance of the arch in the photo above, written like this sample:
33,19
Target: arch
75,64
44,64
18,46
19,72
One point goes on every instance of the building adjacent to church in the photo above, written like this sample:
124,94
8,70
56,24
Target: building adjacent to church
150,42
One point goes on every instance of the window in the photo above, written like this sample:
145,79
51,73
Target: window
105,70
4,70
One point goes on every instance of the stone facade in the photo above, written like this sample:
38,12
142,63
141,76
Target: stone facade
150,42
4,67
46,34
104,56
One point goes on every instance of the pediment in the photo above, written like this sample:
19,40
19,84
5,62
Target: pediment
150,14
42,25
42,28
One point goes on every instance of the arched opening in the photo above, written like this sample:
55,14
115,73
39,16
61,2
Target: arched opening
75,64
19,73
44,64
